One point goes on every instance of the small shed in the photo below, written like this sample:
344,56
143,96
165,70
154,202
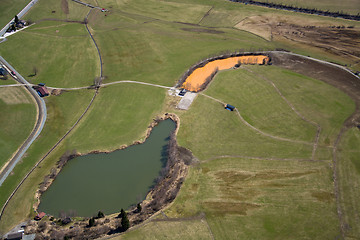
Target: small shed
15,236
3,71
229,107
42,91
39,216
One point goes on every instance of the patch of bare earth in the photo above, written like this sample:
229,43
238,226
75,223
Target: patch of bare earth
337,40
65,6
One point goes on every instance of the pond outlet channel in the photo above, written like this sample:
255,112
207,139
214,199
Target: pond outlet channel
108,182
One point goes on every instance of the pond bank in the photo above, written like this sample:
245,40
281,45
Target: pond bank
163,193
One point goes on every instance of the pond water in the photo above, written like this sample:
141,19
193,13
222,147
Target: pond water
109,182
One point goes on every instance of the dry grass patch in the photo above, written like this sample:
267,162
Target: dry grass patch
14,95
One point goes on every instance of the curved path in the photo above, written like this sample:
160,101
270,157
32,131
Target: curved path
318,127
256,129
41,118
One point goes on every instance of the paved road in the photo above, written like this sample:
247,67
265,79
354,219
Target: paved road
41,118
20,15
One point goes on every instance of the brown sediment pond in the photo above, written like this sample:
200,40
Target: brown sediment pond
200,76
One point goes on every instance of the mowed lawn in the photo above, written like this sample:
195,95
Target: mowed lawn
62,54
18,116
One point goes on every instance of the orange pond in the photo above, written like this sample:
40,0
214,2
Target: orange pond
197,78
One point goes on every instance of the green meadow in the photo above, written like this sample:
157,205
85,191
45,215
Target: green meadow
247,185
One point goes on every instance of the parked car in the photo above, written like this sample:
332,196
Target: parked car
182,92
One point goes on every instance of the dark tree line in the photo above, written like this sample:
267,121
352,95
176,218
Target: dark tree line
338,14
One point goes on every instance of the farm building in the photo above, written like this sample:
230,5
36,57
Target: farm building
3,71
42,91
15,236
39,216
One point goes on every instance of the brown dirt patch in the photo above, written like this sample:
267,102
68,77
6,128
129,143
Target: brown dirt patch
338,40
332,75
323,196
65,6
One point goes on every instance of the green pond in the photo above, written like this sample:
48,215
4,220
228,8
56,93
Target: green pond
109,181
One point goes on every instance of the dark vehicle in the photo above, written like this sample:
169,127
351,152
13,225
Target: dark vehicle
41,84
229,107
182,92
13,73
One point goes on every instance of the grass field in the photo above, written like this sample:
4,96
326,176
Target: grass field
9,8
349,176
62,111
261,199
190,229
64,59
18,115
248,185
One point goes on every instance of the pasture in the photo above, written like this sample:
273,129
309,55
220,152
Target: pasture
247,183
18,119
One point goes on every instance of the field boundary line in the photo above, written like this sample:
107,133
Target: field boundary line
336,183
263,158
205,15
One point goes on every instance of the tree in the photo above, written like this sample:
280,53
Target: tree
91,222
100,214
122,213
138,207
35,71
125,224
16,19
